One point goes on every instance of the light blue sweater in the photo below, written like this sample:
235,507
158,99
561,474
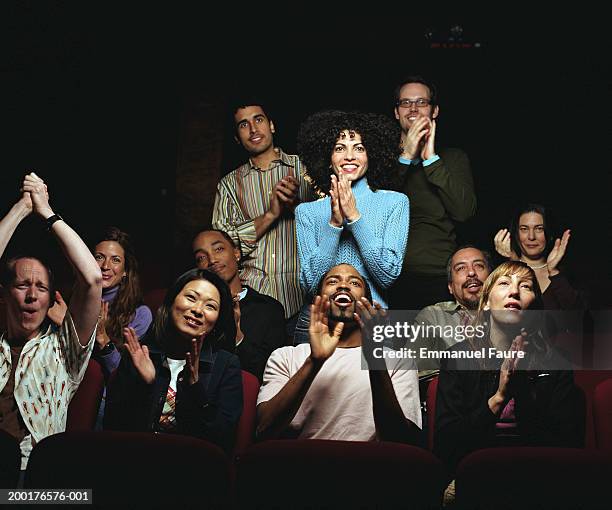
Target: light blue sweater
374,244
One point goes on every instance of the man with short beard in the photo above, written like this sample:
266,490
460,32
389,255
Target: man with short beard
467,269
255,205
322,390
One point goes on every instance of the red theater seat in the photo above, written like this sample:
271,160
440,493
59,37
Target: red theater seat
154,299
588,380
245,432
134,469
10,461
532,477
432,390
602,415
83,408
338,474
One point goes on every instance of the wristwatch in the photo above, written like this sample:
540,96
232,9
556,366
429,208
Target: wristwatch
107,349
51,220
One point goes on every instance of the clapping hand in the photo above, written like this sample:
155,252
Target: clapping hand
507,372
140,355
284,195
37,190
58,311
428,150
336,219
557,253
368,316
342,200
193,359
323,343
413,140
102,338
502,244
348,204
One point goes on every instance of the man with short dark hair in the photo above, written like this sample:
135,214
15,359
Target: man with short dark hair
321,390
467,270
41,365
438,182
255,205
260,319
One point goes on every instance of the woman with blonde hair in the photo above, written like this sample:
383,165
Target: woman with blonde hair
506,385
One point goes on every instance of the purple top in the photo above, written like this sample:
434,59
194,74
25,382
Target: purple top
141,321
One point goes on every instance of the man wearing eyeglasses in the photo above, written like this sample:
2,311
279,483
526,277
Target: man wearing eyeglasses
439,184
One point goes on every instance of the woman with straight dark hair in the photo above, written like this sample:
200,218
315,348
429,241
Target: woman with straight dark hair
532,239
184,377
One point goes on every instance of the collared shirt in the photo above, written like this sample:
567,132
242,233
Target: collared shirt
49,371
443,325
271,265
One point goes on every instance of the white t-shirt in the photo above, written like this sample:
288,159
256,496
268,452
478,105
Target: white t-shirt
338,404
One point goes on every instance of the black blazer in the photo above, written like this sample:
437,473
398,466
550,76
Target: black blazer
549,408
209,409
262,320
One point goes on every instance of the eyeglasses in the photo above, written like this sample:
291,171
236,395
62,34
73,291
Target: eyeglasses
419,103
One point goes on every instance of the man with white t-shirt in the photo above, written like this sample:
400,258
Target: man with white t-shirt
324,389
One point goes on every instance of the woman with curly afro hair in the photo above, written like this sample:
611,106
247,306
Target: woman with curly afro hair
350,158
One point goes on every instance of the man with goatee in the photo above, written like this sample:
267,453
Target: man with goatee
332,387
467,269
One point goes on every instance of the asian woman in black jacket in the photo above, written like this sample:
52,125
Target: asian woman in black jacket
184,377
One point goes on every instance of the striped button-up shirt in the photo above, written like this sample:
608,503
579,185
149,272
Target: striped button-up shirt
270,265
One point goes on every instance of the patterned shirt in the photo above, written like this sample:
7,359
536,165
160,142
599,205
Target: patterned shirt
270,265
49,371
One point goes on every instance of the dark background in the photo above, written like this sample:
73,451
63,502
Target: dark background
94,102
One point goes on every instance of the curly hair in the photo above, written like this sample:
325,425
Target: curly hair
129,296
380,136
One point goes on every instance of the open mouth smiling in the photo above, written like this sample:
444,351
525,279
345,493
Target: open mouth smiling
342,299
194,323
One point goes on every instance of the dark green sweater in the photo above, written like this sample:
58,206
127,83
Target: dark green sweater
440,194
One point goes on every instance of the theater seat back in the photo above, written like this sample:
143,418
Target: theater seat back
313,473
245,432
602,415
134,469
83,408
533,477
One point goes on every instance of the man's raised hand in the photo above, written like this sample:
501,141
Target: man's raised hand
323,343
